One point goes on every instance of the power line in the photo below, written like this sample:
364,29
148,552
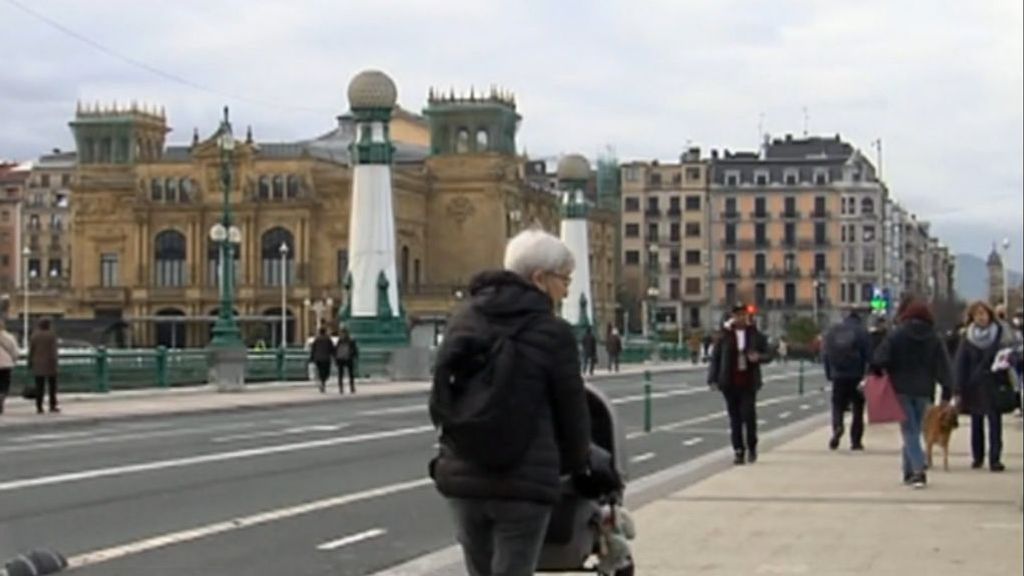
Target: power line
171,77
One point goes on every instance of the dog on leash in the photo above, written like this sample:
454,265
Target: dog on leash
939,423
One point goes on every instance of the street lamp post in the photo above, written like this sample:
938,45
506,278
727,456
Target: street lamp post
817,296
318,307
227,349
284,295
25,303
653,292
1006,276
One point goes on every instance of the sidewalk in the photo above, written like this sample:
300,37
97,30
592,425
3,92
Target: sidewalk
141,403
805,510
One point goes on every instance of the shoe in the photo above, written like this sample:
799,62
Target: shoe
833,442
752,456
39,410
907,478
976,465
54,410
739,460
997,467
918,481
858,447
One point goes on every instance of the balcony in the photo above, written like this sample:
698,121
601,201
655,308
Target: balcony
788,243
675,213
730,244
652,212
790,273
675,266
730,273
730,215
763,215
821,214
821,273
810,244
790,215
759,273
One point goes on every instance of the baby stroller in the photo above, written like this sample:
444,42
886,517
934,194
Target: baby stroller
589,530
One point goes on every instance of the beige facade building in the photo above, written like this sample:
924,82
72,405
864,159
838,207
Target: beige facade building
142,258
46,221
665,250
13,178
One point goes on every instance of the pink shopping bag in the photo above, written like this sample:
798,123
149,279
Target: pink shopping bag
883,406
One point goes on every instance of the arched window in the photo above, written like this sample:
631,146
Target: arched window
867,206
185,190
171,332
264,188
156,189
169,253
270,256
403,279
213,264
171,190
293,186
462,141
278,187
482,140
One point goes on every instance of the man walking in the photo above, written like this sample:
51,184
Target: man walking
846,357
614,348
735,370
346,353
42,361
321,352
589,345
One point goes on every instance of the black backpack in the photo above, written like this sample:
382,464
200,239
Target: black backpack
487,416
842,348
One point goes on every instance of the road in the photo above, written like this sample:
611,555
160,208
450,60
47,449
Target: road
336,488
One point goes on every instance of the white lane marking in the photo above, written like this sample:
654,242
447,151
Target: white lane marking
285,432
52,436
97,439
656,395
805,406
113,553
205,459
693,442
396,410
785,415
762,422
353,539
721,414
643,457
635,435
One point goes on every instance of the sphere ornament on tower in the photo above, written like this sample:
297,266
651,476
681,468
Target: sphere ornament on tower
573,168
372,90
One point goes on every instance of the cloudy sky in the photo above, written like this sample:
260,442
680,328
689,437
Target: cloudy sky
940,85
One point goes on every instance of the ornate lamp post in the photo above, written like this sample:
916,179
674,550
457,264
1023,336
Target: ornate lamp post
25,325
227,349
283,250
1006,276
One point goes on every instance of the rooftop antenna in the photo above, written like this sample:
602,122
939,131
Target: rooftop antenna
878,151
806,120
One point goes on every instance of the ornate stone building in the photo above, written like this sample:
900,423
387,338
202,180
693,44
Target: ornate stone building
143,211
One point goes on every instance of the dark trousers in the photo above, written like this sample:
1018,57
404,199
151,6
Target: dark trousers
613,362
995,437
351,366
500,537
589,362
847,396
323,372
741,405
50,384
5,386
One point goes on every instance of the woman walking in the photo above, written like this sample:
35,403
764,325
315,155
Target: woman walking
915,358
982,340
8,357
321,354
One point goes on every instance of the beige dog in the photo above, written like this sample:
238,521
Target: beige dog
939,423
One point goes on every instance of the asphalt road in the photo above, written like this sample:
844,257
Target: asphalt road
337,488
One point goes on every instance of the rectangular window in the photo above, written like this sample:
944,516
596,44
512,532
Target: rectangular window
673,288
693,229
652,205
632,204
673,204
632,230
110,274
655,179
819,206
730,233
851,259
673,232
760,206
65,180
652,231
760,234
790,233
730,293
791,178
693,257
55,268
5,261
869,233
867,290
693,203
692,286
790,205
790,294
761,179
693,174
760,263
732,179
632,257
44,180
868,263
730,262
760,293
820,263
677,179
843,294
34,268
789,262
820,233
630,174
730,206
673,259
821,178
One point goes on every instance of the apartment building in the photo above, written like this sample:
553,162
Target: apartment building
665,244
12,185
796,230
46,220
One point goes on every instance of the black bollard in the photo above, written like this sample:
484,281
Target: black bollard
35,563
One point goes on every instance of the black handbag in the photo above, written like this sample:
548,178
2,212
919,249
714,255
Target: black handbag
1005,398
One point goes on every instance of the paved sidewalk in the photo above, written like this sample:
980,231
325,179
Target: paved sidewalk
92,408
805,510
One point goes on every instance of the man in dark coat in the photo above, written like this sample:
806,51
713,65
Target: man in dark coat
501,513
321,354
735,369
846,356
42,360
589,345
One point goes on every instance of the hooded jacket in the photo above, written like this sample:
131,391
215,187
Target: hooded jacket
916,359
548,370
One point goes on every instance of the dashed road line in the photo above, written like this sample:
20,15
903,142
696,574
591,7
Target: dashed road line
353,539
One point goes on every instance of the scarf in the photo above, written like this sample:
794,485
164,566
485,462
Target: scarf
983,338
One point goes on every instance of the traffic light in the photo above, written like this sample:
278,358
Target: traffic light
879,301
751,309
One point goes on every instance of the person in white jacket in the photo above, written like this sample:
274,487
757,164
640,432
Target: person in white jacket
8,357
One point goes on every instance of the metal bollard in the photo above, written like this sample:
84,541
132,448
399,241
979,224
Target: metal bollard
800,378
648,416
102,370
161,367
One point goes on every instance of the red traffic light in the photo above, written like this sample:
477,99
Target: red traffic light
751,309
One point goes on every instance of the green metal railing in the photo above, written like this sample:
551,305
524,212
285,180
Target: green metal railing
104,370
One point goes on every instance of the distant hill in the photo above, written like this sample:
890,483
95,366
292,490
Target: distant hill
972,277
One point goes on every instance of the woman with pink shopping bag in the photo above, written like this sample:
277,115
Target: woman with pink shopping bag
914,359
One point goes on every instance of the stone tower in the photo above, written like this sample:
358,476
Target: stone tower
477,123
373,313
573,173
995,277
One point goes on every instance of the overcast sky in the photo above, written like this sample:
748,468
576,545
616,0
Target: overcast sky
941,86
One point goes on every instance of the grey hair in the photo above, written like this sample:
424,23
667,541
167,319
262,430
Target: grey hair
535,250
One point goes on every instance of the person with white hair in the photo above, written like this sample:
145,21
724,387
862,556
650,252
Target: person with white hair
509,400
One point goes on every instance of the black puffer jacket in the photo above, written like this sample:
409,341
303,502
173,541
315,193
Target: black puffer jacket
915,357
549,369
